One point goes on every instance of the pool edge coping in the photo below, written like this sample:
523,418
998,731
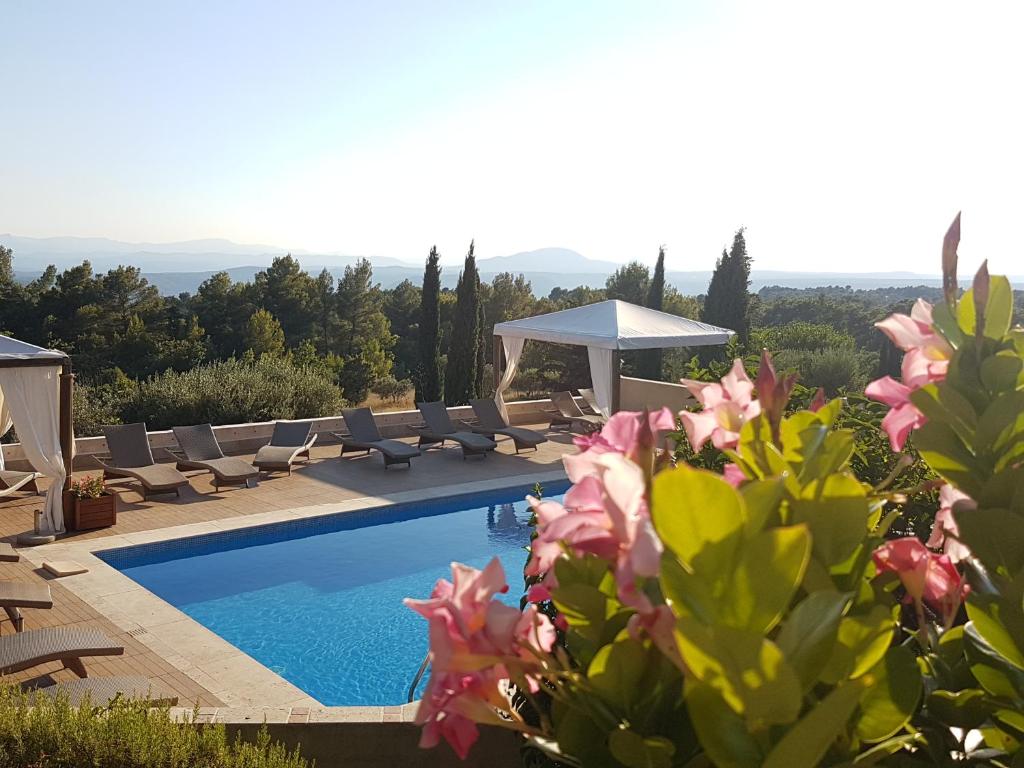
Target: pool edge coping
250,691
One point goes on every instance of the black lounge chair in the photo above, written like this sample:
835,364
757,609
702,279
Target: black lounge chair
200,450
568,414
130,456
100,691
291,439
489,422
15,595
439,427
363,435
68,645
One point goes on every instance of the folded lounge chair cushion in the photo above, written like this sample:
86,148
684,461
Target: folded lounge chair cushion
439,427
100,691
201,450
290,440
131,456
490,422
65,644
364,435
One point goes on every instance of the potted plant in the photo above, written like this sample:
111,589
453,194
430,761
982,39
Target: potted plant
93,505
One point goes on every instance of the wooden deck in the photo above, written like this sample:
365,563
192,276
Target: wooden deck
325,479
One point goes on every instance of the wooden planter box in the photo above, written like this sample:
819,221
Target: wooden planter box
93,513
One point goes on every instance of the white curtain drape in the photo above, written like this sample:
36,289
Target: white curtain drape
5,423
32,395
601,377
513,351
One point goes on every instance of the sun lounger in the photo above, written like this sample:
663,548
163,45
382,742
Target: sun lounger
290,440
130,456
363,435
8,554
490,423
68,645
590,400
15,595
12,481
100,691
568,414
200,450
439,427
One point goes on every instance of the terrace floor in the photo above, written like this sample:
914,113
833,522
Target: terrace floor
325,480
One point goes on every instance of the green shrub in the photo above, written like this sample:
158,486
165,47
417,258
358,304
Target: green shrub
234,392
54,734
834,369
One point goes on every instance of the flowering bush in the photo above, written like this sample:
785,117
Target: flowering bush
89,487
761,616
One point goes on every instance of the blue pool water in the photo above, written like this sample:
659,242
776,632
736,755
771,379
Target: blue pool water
319,601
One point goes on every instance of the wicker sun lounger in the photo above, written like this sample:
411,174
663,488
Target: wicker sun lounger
68,645
291,439
12,481
490,423
200,450
100,691
439,427
568,414
590,400
8,554
363,435
131,457
15,595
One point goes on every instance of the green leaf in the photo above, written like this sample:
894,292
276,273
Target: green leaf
769,571
762,498
893,689
700,517
616,672
806,743
965,316
940,446
1001,372
961,709
746,669
995,536
833,455
836,510
688,593
722,733
942,403
942,318
580,738
999,310
636,751
860,644
808,634
989,617
990,668
1001,427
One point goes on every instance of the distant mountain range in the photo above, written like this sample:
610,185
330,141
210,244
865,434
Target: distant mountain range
181,267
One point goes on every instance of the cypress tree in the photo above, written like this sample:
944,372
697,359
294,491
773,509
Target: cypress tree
481,347
727,303
651,359
429,385
460,377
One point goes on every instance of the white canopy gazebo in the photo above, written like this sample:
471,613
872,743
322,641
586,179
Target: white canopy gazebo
603,328
35,399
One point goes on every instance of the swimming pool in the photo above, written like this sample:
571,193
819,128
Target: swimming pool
319,600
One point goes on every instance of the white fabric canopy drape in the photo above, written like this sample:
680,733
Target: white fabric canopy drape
513,351
601,375
5,423
32,396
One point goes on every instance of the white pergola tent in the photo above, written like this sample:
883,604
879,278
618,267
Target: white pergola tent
604,329
35,399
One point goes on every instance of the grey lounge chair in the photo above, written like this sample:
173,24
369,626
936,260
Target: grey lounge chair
439,427
130,456
568,414
68,645
490,423
12,481
15,595
100,691
590,400
290,440
200,450
363,435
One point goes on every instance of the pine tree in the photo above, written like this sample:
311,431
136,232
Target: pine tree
429,385
651,359
460,378
728,301
264,334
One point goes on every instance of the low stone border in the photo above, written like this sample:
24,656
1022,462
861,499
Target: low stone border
251,692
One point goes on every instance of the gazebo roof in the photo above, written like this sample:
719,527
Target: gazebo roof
615,324
14,353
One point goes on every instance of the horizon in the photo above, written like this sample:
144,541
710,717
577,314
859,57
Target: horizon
610,131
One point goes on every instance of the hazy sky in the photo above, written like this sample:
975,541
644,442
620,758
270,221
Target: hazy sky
844,136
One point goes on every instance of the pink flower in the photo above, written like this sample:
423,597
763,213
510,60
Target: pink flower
927,352
945,523
926,576
630,433
733,475
727,407
902,417
605,514
441,712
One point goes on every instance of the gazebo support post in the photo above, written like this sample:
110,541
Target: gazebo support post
496,360
616,381
67,428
